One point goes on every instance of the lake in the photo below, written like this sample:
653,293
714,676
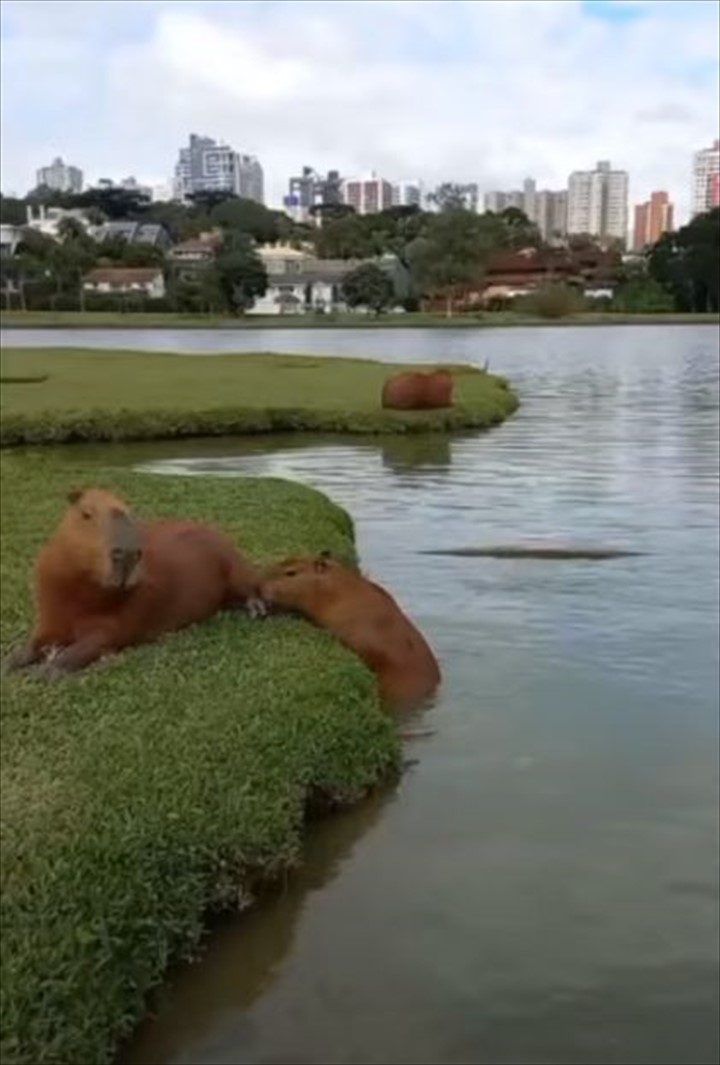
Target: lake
543,885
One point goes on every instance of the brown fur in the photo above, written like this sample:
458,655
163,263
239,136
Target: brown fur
418,391
364,617
105,581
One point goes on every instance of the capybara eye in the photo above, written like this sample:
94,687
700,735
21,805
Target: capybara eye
86,514
291,573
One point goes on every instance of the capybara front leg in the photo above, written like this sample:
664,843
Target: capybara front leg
77,656
22,656
245,589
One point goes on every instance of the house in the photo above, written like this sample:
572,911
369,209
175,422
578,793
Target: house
190,257
10,239
48,220
300,283
126,280
510,274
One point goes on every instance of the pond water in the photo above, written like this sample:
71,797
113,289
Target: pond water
543,885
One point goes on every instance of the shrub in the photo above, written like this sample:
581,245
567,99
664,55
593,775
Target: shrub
552,301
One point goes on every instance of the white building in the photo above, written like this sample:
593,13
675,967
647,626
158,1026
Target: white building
598,202
206,166
48,220
706,179
60,177
407,193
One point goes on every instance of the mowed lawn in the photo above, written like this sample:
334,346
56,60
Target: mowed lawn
84,394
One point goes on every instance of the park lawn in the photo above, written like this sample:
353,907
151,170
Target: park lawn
51,395
414,320
169,782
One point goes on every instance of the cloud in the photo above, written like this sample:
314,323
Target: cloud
484,90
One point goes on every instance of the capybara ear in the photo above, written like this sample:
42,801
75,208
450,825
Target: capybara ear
321,562
74,495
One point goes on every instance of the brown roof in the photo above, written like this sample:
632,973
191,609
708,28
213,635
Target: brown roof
196,245
117,275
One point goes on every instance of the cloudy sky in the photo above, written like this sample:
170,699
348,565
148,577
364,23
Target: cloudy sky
484,90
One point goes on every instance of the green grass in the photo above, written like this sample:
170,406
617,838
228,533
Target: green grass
494,319
116,395
168,783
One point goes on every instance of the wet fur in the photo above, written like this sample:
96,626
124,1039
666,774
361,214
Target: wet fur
364,617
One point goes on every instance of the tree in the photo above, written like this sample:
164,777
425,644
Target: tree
72,257
687,263
239,272
369,286
521,232
346,238
453,197
13,212
247,216
452,252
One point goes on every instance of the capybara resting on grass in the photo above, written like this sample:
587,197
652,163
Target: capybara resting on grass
363,616
418,391
105,581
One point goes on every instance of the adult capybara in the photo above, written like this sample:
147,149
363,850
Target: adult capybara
105,581
363,616
418,391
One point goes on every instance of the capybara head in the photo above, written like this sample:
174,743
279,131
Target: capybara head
297,581
102,532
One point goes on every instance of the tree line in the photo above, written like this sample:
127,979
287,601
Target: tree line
441,252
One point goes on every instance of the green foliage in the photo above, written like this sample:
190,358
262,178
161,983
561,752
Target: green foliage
553,301
687,263
170,781
125,396
643,295
369,286
239,272
451,197
13,212
453,250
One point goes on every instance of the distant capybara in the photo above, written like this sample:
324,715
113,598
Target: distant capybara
105,581
363,616
418,391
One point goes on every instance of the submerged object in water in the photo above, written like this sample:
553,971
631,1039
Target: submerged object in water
535,551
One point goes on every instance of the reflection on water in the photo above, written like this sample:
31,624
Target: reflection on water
544,888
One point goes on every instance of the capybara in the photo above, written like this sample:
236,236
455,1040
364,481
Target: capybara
105,581
418,391
363,616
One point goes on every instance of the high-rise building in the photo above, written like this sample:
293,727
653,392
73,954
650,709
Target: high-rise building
206,166
407,193
598,202
547,209
310,189
551,214
500,201
60,177
368,195
706,179
652,219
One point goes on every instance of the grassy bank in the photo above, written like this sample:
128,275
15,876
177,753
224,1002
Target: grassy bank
114,395
136,798
495,319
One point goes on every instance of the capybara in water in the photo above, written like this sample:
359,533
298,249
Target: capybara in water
418,391
105,581
363,616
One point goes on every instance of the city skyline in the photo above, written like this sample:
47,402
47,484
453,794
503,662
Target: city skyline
449,92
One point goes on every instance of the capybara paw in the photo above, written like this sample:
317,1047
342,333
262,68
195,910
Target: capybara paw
256,607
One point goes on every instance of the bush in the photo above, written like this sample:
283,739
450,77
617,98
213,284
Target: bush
552,301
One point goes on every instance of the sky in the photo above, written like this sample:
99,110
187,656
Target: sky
491,91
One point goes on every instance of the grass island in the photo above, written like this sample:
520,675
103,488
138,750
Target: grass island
175,780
